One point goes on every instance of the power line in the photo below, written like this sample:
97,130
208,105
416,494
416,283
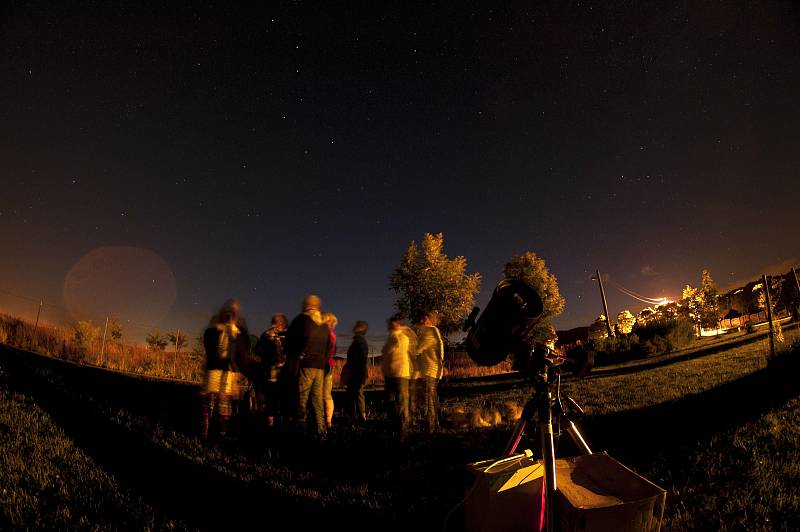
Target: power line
636,295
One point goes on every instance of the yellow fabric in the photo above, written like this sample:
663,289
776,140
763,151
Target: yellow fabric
314,315
396,361
228,334
431,351
220,381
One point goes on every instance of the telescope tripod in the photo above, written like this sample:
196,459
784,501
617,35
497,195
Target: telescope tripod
546,404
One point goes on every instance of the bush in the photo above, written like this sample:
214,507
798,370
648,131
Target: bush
612,350
85,334
664,335
680,335
654,338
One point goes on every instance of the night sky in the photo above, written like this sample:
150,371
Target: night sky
266,154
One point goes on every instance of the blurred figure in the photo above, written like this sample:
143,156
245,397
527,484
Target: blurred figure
226,342
396,367
308,343
270,351
431,358
331,321
356,369
416,384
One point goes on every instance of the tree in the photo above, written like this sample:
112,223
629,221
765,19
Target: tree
690,305
198,350
709,301
701,305
180,339
598,329
532,269
625,322
646,315
85,334
550,337
115,329
428,280
156,341
775,286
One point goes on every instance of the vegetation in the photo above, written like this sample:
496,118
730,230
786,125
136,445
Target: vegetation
701,305
129,358
738,418
49,483
750,481
178,340
428,280
119,356
598,329
625,322
651,337
532,269
115,329
156,341
85,335
775,288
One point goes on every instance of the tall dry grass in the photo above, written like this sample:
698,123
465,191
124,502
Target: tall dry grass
61,343
458,364
126,357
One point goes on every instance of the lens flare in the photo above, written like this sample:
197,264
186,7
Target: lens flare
133,283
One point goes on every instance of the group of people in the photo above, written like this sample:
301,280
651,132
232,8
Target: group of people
290,370
412,363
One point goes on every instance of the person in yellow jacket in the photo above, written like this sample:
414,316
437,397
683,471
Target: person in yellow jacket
397,367
431,364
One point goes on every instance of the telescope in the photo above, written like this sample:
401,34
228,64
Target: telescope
506,324
507,328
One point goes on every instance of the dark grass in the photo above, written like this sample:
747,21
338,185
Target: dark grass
47,482
688,440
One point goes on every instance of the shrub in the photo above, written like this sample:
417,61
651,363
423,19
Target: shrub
609,350
85,334
583,352
681,334
664,335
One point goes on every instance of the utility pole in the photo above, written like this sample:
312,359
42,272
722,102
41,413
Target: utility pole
39,312
765,280
605,305
103,344
177,336
797,302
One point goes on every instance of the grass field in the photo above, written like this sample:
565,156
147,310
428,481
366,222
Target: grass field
714,431
47,482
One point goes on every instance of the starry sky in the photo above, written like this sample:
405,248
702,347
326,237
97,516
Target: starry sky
265,153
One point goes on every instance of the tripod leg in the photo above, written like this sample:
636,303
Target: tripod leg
549,458
577,437
519,430
513,442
